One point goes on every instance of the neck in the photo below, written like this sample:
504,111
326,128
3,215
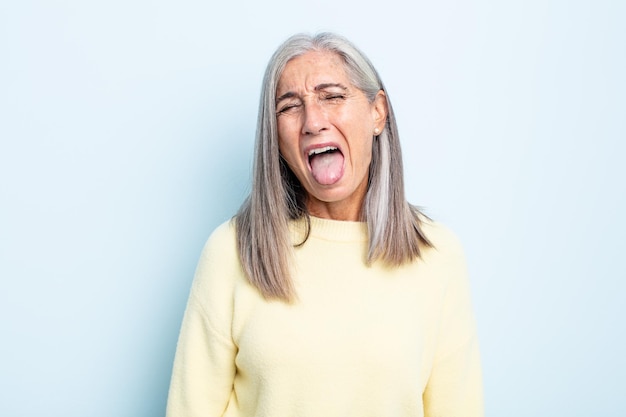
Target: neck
333,212
349,209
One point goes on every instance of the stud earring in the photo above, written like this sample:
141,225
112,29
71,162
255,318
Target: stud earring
376,131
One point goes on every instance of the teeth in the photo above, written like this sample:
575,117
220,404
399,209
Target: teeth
321,150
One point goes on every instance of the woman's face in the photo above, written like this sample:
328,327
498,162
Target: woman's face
325,131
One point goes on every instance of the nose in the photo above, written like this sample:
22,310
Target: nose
315,119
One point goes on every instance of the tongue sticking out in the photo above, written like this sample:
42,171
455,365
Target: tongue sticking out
327,167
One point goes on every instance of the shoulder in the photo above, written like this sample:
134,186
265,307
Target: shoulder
220,249
223,238
219,267
440,236
446,255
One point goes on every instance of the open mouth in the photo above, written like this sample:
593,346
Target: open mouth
326,164
319,151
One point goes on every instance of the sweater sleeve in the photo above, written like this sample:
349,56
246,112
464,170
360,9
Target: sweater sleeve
204,366
454,388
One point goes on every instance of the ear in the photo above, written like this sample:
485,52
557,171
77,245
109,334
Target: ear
379,110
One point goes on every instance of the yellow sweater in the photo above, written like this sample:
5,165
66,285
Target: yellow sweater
360,341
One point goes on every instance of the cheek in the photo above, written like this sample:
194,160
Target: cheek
288,151
286,140
364,156
287,125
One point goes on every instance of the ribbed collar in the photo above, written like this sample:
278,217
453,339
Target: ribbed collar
335,230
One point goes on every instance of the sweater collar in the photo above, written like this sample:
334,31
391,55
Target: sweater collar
335,230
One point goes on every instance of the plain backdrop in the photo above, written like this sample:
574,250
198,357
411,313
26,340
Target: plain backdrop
126,134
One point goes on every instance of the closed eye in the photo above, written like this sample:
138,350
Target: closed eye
287,108
335,97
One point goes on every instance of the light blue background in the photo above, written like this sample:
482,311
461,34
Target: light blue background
126,136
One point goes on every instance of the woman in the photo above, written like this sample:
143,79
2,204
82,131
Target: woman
328,294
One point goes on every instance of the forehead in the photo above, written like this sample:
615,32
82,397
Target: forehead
313,68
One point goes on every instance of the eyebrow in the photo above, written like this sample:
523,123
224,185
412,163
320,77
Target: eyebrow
319,87
288,94
327,85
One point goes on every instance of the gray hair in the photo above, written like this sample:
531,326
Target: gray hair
262,223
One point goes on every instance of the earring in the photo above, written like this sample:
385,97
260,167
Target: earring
376,131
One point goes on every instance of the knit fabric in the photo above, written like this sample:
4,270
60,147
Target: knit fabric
359,341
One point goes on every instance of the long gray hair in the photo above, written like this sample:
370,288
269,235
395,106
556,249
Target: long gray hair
277,197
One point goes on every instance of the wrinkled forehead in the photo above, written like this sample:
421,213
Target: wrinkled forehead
305,71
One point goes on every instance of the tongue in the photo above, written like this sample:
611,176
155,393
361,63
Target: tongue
327,168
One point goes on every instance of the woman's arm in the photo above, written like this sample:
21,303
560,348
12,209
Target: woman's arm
454,388
204,367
